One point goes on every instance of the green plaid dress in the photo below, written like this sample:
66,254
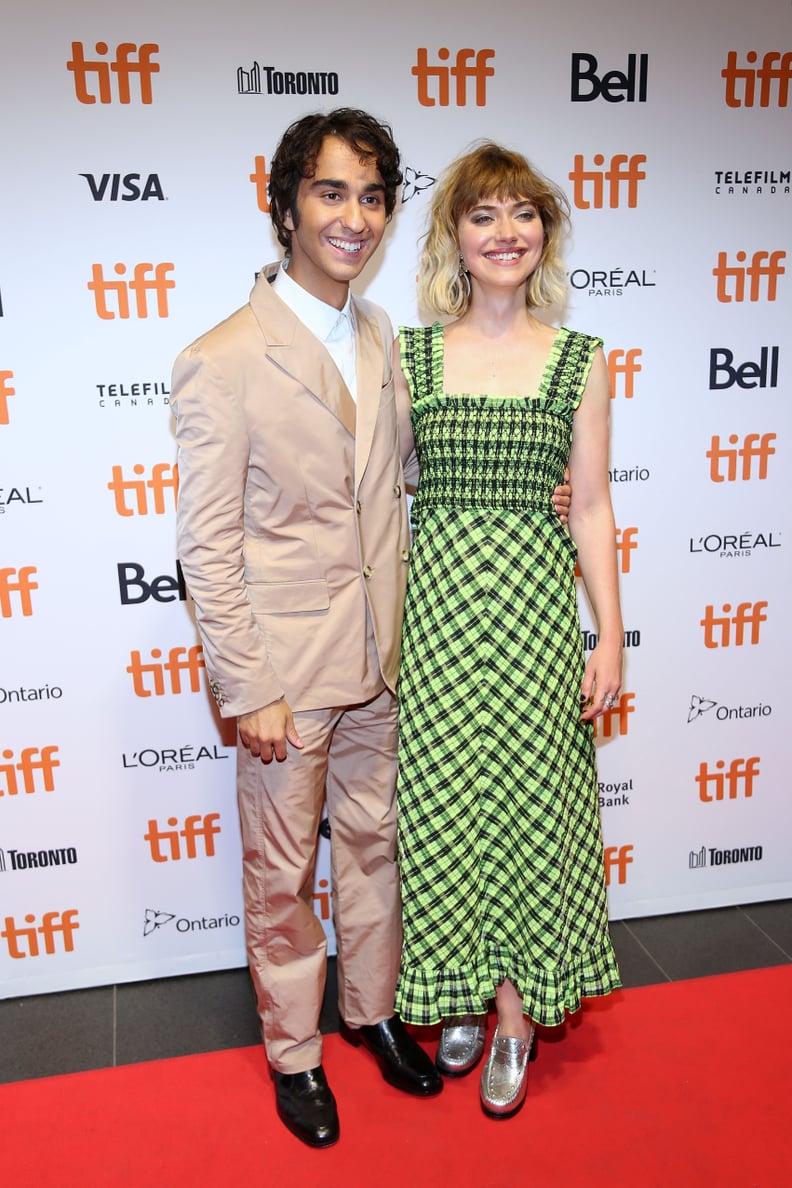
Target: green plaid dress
500,847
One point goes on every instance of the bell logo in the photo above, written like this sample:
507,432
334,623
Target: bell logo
141,285
756,447
24,942
763,374
741,80
764,266
718,628
470,63
622,169
626,543
260,179
195,828
189,660
720,784
618,858
129,59
623,365
616,720
5,391
17,582
134,588
613,87
36,766
164,477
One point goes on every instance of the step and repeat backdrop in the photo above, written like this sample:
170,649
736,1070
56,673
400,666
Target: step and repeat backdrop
135,154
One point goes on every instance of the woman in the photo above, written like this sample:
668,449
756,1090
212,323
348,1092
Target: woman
500,846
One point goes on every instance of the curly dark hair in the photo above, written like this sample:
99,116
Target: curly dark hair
295,158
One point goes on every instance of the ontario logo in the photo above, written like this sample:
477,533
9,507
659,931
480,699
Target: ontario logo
699,706
154,920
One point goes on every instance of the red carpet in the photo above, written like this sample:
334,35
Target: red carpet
680,1084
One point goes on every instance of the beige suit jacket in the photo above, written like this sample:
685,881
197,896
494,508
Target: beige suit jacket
292,518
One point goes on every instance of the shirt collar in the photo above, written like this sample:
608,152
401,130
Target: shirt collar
323,320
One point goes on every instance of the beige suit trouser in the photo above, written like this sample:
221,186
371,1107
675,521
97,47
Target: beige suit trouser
349,761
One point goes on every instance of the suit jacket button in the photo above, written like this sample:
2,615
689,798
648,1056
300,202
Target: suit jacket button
358,507
367,571
397,491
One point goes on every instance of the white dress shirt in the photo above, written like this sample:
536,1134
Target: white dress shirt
335,328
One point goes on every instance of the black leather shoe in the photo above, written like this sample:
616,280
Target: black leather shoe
403,1062
306,1105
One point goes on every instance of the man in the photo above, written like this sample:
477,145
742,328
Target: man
293,537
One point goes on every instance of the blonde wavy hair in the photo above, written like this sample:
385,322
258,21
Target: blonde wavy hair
489,171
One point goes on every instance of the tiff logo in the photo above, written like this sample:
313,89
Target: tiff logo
718,628
764,266
617,858
189,660
33,763
623,365
470,63
195,827
141,285
129,59
755,447
775,68
260,179
5,391
24,942
164,477
727,783
321,900
621,171
616,720
626,543
19,582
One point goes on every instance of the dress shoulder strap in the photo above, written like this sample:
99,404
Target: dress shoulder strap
571,358
418,356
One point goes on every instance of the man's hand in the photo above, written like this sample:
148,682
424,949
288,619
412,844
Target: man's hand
562,497
265,732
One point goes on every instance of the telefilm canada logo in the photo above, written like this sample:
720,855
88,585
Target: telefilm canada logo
700,707
133,394
756,183
154,920
269,80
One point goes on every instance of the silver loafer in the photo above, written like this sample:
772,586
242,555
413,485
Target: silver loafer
461,1044
504,1078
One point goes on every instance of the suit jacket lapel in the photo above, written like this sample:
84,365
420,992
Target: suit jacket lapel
369,387
296,351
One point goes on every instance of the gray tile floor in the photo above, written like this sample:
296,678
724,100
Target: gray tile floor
109,1025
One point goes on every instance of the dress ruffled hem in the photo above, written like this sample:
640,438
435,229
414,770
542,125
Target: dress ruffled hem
427,996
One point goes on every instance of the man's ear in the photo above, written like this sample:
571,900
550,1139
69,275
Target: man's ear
288,221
